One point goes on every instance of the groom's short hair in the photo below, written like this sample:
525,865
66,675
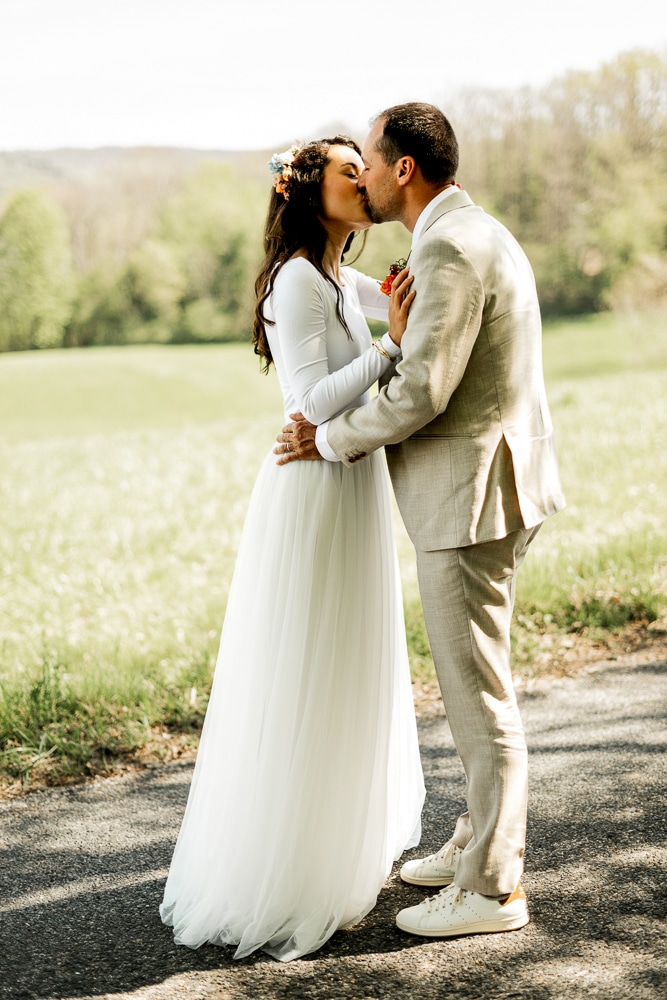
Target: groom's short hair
422,132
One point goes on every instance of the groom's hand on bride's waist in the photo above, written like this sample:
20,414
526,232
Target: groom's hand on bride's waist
296,441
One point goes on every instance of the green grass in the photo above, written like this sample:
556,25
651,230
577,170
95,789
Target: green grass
105,390
124,479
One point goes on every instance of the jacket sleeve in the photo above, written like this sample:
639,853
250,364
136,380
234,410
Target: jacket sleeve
443,324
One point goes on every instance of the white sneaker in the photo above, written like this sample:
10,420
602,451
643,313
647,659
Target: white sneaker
436,869
455,911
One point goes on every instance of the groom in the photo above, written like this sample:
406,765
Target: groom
468,437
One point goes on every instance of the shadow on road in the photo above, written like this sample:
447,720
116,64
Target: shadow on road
82,872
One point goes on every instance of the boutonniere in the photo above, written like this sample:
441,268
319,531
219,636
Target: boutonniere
394,268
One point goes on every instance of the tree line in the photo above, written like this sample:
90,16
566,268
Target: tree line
576,170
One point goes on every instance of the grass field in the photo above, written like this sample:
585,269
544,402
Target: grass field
124,479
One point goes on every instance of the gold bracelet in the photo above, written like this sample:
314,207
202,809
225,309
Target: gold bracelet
378,347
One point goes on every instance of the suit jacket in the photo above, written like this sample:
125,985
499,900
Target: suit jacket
464,417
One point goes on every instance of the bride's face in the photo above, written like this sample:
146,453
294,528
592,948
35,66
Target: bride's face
342,201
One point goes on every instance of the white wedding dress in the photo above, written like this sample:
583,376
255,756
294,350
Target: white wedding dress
308,783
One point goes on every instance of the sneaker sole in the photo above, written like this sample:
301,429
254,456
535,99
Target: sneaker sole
481,927
415,880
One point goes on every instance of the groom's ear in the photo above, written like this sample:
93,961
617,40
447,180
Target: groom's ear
405,170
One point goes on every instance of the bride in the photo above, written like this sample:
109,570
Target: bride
308,783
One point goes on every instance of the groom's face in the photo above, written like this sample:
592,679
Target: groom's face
378,181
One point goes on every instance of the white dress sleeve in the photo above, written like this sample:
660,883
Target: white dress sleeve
300,310
374,303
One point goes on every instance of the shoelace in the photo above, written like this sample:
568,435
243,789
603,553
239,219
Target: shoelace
445,854
451,896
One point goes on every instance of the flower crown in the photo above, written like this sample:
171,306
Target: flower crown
280,166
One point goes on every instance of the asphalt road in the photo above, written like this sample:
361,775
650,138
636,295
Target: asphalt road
82,871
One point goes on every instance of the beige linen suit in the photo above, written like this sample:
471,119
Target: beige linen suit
470,450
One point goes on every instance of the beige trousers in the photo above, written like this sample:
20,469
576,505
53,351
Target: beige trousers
468,599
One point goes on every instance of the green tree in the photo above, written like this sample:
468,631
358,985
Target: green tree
36,276
578,172
214,227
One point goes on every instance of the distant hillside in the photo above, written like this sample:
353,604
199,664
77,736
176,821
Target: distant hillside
30,168
36,168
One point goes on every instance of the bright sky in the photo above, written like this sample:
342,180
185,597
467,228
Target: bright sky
244,74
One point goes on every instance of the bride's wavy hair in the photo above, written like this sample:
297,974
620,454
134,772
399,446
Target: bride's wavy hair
293,224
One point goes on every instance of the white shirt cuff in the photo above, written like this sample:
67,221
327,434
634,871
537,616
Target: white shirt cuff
392,349
323,446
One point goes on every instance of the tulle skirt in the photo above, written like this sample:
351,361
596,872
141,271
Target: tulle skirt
308,783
